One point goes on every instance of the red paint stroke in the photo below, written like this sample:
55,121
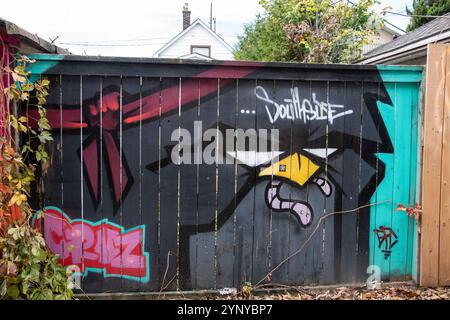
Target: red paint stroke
150,107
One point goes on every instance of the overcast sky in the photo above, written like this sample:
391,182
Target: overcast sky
135,27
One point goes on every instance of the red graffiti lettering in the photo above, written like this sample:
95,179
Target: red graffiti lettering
98,247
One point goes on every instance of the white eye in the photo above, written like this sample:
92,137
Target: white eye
254,158
321,152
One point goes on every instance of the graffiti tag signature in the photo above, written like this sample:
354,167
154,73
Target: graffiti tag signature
387,237
306,110
101,247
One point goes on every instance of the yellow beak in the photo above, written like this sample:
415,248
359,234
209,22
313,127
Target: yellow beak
294,167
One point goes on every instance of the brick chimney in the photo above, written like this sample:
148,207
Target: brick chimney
186,16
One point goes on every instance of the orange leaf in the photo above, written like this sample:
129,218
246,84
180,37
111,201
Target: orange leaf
16,214
5,189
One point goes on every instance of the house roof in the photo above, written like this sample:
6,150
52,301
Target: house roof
182,33
437,30
195,55
31,39
392,29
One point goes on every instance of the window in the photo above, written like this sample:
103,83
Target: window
203,50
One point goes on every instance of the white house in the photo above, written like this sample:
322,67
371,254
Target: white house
384,34
196,41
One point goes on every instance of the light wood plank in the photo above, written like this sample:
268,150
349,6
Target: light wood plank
432,156
444,232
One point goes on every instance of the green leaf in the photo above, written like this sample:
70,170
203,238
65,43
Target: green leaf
26,148
28,87
23,128
14,280
47,294
45,137
39,253
24,96
20,69
13,292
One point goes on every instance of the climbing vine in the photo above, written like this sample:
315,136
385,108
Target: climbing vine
28,270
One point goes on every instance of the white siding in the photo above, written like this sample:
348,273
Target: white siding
201,37
379,38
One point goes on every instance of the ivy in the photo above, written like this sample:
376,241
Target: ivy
28,270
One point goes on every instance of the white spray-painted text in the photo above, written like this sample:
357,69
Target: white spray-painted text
306,110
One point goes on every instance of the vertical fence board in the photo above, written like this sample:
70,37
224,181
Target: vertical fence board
226,206
54,180
107,138
245,185
349,236
366,131
444,219
414,138
131,209
207,187
373,242
402,165
72,164
335,95
169,206
432,169
318,139
327,237
91,155
192,229
309,240
150,192
298,235
188,186
266,233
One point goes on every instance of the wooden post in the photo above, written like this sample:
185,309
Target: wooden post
444,233
435,228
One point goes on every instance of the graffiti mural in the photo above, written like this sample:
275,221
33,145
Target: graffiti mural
102,247
232,166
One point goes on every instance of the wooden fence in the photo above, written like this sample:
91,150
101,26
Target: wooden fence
205,175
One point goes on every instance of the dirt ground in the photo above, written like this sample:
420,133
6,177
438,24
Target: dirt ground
401,292
391,291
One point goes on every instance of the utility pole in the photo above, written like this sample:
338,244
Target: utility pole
210,18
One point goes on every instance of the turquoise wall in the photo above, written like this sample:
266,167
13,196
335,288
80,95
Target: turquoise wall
399,185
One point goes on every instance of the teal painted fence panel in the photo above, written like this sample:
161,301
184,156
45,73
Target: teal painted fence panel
395,253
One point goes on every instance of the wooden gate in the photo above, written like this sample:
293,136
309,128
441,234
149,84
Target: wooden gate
170,175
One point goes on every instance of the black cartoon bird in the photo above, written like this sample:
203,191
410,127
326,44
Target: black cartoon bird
316,140
327,137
